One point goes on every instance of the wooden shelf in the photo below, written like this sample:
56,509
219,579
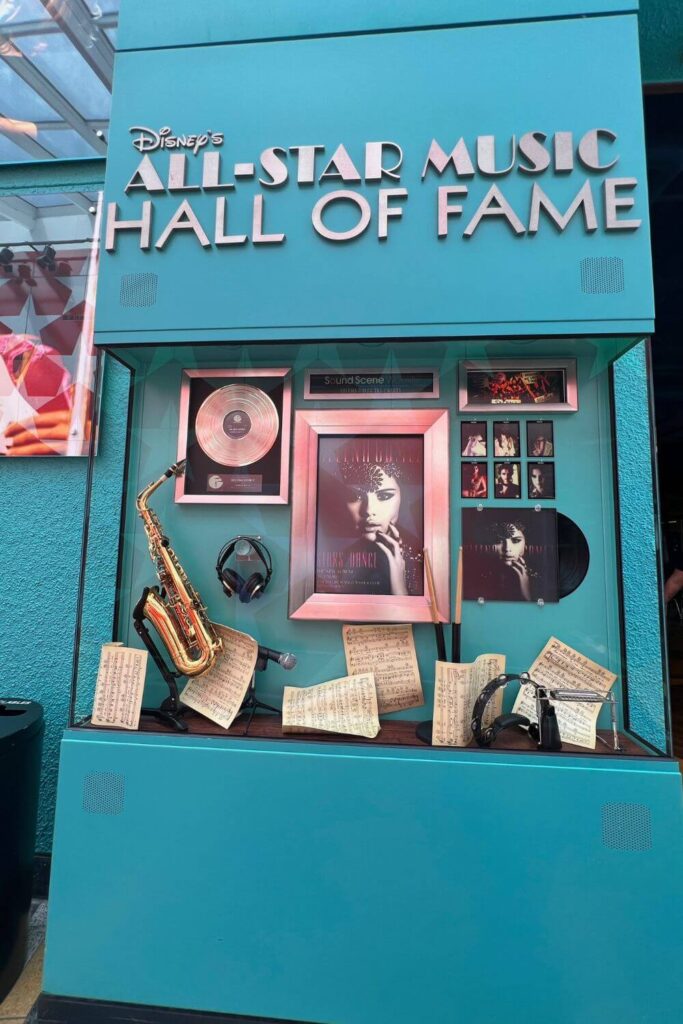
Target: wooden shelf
394,733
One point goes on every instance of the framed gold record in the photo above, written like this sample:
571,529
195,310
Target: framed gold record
234,432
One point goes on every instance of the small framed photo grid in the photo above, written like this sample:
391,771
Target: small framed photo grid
506,440
540,480
540,441
473,439
507,480
474,480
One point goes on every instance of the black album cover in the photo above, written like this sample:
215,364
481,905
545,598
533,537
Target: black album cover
234,435
510,554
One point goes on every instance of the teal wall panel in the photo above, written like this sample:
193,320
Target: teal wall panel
210,21
661,40
337,883
348,89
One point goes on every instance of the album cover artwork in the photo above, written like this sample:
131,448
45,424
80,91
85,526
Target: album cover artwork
370,515
510,554
473,439
234,433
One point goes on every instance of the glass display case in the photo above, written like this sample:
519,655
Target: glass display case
521,471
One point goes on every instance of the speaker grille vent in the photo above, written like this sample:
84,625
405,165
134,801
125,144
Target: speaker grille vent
103,793
138,290
626,827
602,275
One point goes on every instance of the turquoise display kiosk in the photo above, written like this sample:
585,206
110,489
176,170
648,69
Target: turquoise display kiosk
415,235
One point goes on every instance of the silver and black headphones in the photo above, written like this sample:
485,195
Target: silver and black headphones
231,581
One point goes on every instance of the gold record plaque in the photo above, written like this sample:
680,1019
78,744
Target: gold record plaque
234,434
237,425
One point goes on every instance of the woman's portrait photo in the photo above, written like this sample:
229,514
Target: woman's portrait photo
539,439
507,480
541,479
474,480
506,440
370,518
473,440
510,555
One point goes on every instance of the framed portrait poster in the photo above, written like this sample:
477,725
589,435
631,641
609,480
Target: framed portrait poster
233,432
520,385
370,494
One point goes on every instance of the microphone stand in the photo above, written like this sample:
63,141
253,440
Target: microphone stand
250,704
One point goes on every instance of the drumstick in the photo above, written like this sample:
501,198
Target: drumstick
455,629
434,609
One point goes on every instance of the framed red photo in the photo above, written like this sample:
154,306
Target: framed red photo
370,494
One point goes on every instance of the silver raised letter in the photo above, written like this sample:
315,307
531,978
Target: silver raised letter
257,235
275,166
613,204
583,198
220,237
486,155
211,172
374,168
588,149
341,166
446,209
177,169
341,236
306,163
146,177
531,146
563,144
503,209
439,160
385,211
184,219
144,225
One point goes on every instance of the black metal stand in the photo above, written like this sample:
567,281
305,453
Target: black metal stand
170,711
251,704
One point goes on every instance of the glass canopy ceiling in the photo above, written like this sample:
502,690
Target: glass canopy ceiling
56,68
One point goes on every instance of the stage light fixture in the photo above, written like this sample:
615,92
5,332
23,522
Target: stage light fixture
46,260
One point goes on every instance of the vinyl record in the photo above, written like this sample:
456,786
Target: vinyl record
574,555
237,425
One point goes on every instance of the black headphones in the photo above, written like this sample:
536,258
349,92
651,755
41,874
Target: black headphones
231,581
545,733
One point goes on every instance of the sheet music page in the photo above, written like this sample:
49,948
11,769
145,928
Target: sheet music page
389,653
456,690
218,693
119,688
560,667
347,705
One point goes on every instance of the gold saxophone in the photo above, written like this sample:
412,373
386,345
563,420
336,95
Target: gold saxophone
176,612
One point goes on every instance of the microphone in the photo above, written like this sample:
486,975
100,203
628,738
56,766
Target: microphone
282,658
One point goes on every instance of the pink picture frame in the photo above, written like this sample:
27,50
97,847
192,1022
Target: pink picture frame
374,426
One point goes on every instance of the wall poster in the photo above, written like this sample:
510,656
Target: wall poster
370,494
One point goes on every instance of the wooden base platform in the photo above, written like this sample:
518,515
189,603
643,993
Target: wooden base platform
393,733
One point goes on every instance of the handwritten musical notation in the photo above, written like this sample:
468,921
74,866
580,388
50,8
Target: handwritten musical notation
119,688
347,705
389,653
218,694
456,690
560,667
